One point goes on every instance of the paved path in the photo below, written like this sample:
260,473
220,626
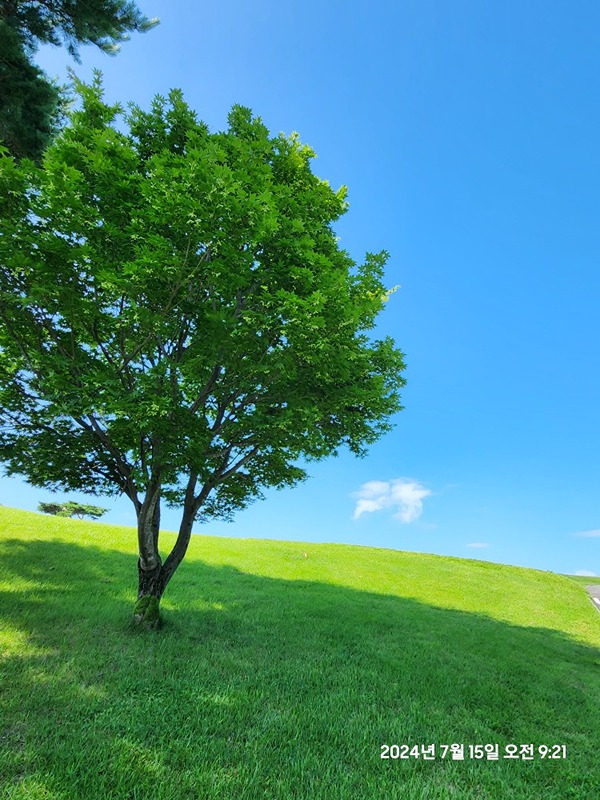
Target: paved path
594,593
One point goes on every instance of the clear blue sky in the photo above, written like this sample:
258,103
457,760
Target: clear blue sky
468,134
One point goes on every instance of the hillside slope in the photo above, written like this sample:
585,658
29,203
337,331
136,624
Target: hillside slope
283,668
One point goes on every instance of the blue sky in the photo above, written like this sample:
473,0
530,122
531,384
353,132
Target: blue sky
467,133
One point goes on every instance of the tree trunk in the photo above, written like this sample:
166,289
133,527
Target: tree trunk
146,612
153,575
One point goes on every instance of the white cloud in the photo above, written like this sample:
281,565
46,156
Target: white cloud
588,534
478,544
403,494
585,573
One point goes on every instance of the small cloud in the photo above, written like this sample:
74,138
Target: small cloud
585,573
588,534
403,494
478,544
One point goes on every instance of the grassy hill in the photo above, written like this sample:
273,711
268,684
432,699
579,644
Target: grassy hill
282,669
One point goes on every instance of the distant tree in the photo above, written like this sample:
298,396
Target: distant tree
72,509
50,508
32,107
178,321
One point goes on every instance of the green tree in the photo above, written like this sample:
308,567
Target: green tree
72,509
178,322
31,105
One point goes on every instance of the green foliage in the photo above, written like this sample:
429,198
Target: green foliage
104,23
175,307
71,509
32,106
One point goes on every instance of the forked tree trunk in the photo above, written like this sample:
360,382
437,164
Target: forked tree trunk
153,575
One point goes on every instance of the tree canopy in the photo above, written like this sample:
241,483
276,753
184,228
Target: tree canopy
178,321
31,105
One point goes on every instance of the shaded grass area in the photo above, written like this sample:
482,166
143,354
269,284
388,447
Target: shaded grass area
267,682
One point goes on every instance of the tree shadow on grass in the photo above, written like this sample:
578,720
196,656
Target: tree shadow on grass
259,687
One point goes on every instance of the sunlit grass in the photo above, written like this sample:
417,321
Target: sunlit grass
282,668
586,580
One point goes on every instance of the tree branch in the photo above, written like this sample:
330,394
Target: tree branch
120,371
222,476
147,536
123,467
202,397
190,508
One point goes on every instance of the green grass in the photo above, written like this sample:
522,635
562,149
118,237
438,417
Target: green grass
586,580
282,668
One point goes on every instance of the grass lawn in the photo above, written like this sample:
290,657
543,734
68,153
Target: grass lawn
585,580
281,670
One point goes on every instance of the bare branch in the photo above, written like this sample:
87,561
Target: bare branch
206,490
222,476
120,371
123,467
202,397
